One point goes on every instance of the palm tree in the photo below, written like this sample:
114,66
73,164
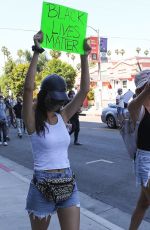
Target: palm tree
55,54
6,53
68,55
78,66
20,53
27,55
73,57
117,51
41,62
3,49
122,51
109,52
146,52
138,49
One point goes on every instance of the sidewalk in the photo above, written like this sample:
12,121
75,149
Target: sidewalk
13,191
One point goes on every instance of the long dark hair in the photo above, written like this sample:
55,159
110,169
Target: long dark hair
40,113
44,103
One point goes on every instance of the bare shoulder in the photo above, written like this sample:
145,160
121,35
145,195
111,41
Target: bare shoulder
63,115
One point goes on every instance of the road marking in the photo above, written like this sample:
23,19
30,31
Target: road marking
5,168
101,160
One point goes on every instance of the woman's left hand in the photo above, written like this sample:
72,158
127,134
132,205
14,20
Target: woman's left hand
87,47
38,38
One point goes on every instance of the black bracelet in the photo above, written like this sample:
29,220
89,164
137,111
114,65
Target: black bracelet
37,49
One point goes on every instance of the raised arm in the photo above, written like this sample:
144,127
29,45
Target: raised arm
71,108
135,105
28,110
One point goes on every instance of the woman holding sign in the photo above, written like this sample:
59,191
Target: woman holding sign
53,187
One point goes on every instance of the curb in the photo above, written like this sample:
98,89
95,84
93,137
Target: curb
105,223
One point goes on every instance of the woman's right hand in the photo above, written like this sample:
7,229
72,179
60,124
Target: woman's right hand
38,38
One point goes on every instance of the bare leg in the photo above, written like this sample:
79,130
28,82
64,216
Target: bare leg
142,206
39,224
69,218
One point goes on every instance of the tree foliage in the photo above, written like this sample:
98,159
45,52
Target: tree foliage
90,95
61,68
14,72
5,80
18,78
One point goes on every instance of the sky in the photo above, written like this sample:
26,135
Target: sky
124,22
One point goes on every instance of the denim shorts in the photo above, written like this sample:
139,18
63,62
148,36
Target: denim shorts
37,204
142,167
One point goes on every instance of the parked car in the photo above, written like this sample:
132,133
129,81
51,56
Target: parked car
109,115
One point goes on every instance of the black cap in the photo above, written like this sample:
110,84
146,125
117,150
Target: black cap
55,86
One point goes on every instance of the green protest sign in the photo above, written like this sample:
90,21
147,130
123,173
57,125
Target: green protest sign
64,28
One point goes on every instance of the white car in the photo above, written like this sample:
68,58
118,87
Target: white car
109,115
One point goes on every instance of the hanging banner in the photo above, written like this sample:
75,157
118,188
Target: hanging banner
94,54
64,28
103,44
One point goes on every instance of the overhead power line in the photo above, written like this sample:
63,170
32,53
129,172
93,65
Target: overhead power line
112,37
129,38
17,29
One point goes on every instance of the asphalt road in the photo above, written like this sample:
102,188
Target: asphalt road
102,166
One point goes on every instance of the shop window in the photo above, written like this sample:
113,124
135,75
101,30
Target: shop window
124,84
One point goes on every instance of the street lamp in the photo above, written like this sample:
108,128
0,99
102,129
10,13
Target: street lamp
99,70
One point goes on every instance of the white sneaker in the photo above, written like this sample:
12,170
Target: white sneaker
5,143
1,143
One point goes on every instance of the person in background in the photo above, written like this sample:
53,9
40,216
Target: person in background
74,120
3,119
8,120
18,115
140,105
46,125
10,111
120,106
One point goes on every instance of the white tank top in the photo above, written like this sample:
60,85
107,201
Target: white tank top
51,151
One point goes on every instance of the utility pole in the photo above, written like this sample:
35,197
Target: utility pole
99,70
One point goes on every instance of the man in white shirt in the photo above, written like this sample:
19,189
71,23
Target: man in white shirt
120,105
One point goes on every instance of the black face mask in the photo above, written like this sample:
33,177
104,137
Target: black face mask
57,102
52,104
